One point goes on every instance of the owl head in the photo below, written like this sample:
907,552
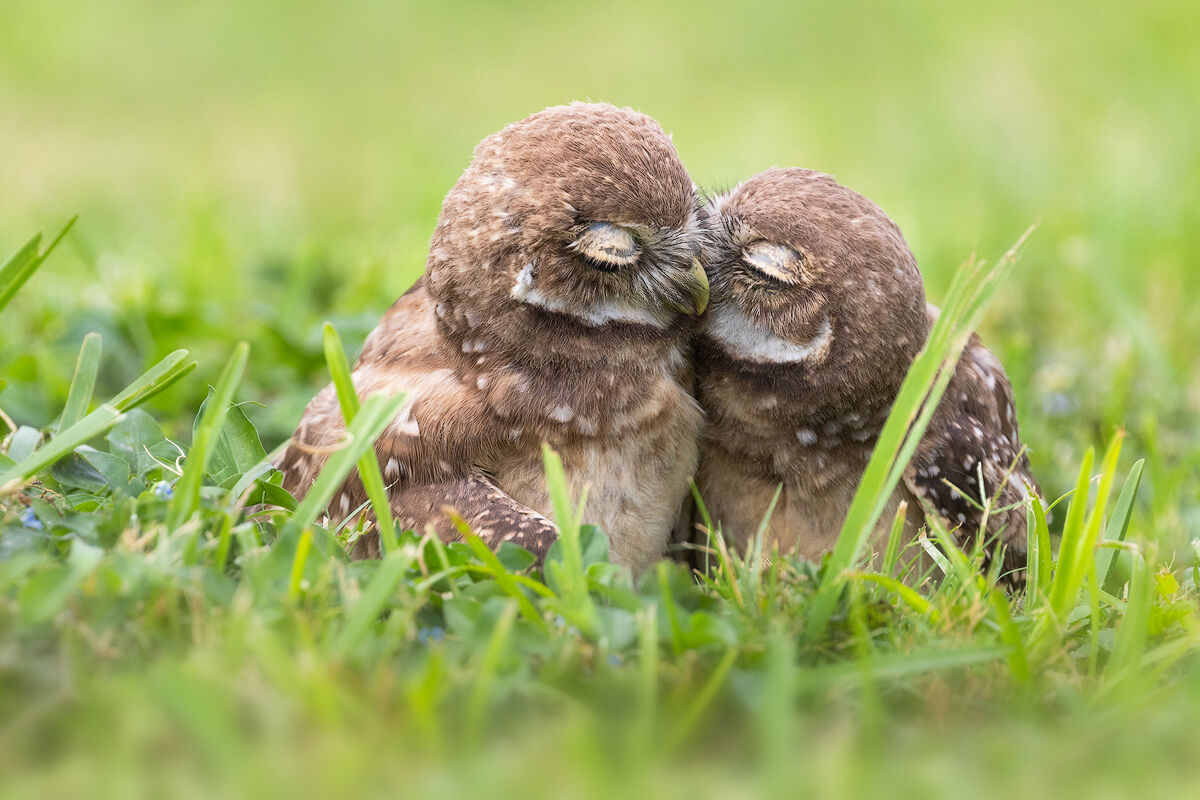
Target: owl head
581,217
812,284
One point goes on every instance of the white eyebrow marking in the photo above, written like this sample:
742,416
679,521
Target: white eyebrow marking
741,337
594,314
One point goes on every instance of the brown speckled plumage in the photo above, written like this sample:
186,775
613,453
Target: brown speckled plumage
818,309
557,303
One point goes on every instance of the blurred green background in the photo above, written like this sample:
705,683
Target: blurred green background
249,170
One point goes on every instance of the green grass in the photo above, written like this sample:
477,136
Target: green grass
244,173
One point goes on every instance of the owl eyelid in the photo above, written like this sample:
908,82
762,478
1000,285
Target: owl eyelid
777,263
606,245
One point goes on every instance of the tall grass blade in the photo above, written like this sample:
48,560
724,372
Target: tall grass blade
1118,524
971,293
1133,631
486,673
1077,554
368,465
702,700
1040,556
154,380
366,608
569,573
88,428
21,265
83,384
187,491
370,421
910,596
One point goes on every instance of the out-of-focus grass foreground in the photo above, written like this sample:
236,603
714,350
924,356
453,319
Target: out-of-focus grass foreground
244,172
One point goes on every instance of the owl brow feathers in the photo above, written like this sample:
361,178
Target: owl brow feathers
594,314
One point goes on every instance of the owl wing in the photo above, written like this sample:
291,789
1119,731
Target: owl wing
430,455
491,514
973,437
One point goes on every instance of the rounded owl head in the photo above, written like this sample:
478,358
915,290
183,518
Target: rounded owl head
811,275
580,215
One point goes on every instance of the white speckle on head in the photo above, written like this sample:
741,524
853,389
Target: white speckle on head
482,381
561,413
393,468
934,470
344,504
806,437
741,337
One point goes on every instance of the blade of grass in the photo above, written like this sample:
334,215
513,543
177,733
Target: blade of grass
908,664
647,686
891,553
909,595
88,428
83,384
366,608
569,573
154,380
1010,634
702,700
486,672
504,579
1134,629
1041,557
1122,512
187,491
1072,534
370,421
368,465
1076,561
21,265
303,546
971,292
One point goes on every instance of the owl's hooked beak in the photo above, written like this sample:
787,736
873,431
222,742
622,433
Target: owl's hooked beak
695,289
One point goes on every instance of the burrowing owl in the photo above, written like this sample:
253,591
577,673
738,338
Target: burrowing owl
559,296
818,312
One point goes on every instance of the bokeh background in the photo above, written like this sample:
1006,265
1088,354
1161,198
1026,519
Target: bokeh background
248,170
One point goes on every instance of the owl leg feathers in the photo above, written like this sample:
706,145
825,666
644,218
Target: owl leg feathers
491,514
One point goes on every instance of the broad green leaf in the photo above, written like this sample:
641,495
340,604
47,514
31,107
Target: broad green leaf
237,448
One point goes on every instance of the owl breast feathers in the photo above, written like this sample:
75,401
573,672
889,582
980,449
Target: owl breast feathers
560,292
818,310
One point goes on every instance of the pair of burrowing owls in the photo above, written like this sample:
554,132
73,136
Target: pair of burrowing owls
564,301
